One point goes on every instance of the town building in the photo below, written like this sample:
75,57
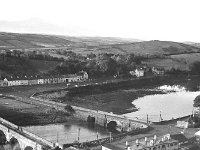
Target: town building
155,143
139,72
83,75
32,80
41,81
151,143
11,81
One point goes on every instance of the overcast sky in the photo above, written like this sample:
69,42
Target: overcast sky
175,20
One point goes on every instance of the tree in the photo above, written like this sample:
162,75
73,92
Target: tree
91,55
197,101
195,68
107,65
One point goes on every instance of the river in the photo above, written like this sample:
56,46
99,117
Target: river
174,104
68,133
168,106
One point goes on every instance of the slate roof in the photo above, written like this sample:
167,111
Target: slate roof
179,137
112,147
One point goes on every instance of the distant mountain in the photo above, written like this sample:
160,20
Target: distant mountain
97,41
25,41
193,44
179,55
17,41
85,45
150,48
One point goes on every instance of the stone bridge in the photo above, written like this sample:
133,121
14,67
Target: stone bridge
123,123
21,139
101,118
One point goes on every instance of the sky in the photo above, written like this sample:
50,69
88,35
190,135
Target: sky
171,20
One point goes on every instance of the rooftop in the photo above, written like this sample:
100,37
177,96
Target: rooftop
112,147
152,141
179,137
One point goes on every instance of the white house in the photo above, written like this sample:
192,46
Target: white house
139,72
40,81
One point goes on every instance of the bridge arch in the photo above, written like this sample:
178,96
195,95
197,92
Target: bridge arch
2,138
28,148
15,144
112,125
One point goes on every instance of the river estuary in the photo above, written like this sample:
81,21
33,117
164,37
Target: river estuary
177,102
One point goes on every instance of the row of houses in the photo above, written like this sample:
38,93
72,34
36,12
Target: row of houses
33,80
165,142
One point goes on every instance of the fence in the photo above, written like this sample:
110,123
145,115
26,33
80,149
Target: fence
8,123
38,138
105,140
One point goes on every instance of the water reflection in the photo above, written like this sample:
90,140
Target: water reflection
174,88
171,105
68,133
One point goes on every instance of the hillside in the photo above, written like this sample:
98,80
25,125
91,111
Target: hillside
18,41
85,45
151,48
163,54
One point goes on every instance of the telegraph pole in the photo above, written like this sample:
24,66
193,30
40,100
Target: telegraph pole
110,136
79,134
97,135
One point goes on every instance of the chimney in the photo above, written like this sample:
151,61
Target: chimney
127,145
128,148
145,139
163,139
154,138
151,142
137,142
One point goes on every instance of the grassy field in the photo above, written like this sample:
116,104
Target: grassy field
118,102
27,112
187,58
180,61
167,63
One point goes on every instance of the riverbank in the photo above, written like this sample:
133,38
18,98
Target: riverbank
118,101
117,97
26,114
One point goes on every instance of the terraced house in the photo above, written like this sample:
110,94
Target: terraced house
164,142
33,80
